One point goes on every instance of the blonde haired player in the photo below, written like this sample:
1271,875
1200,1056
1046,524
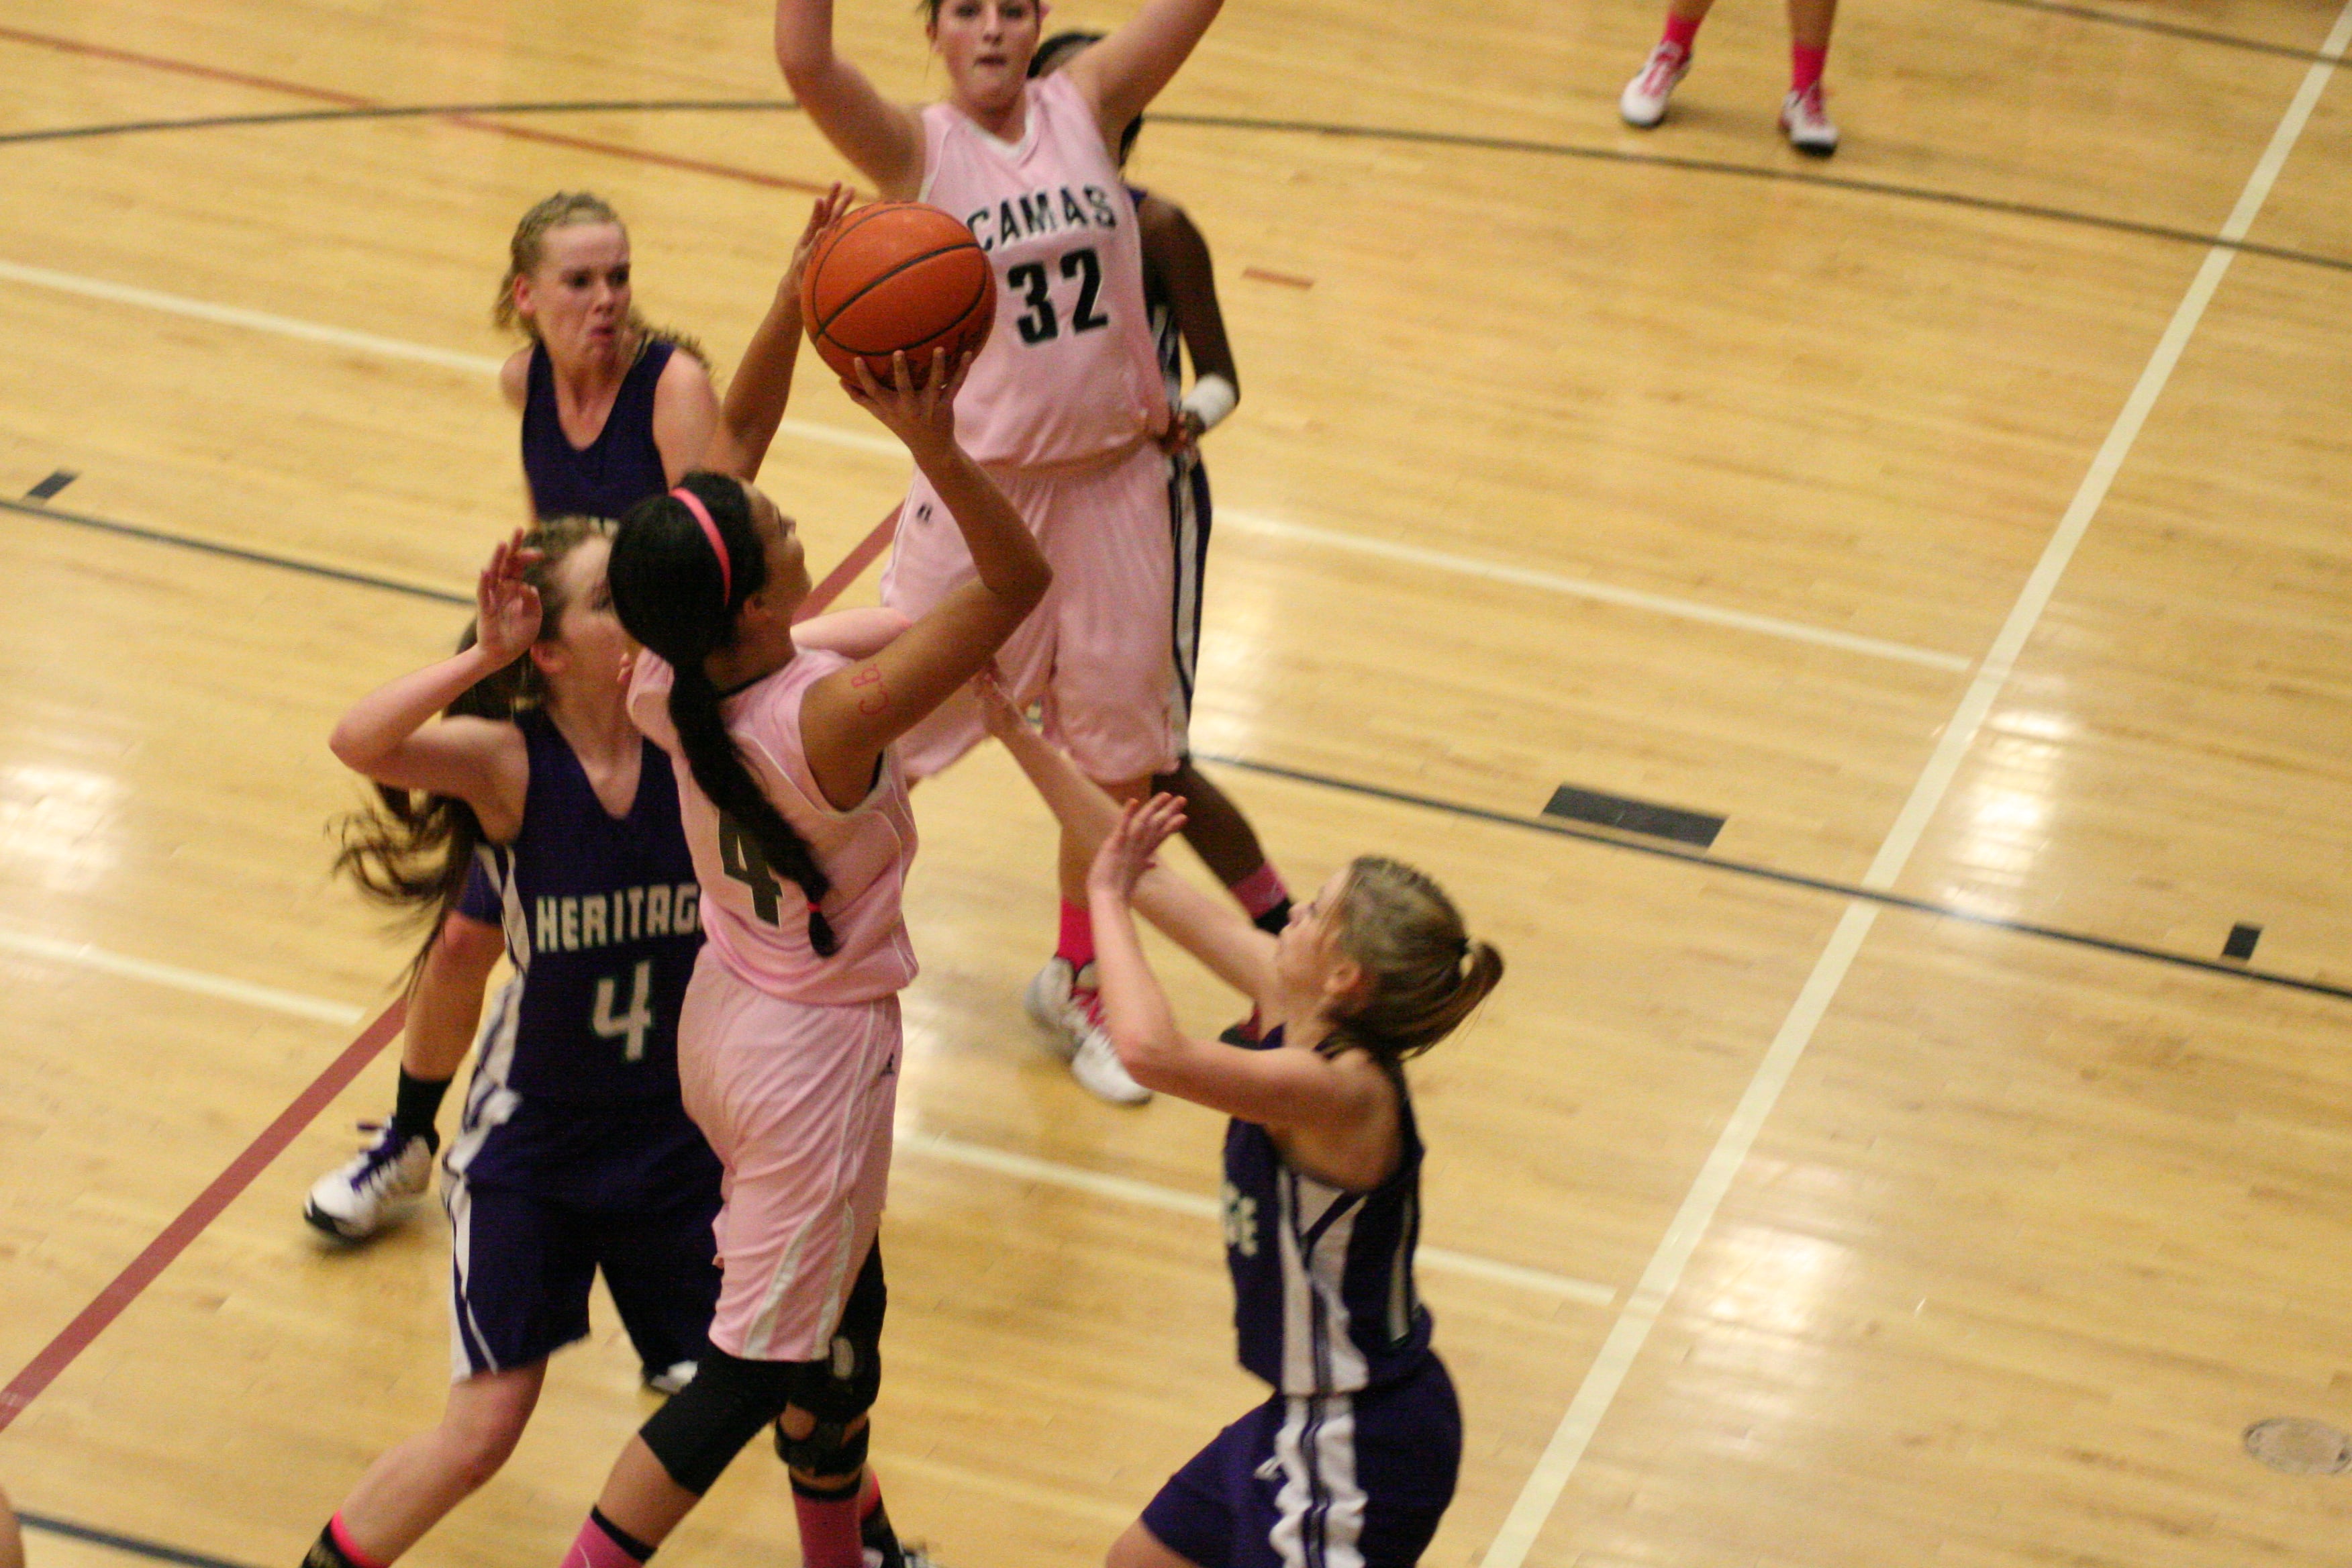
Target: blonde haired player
1064,406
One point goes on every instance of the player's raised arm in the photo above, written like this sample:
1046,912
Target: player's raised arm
1176,252
885,139
853,713
763,386
392,734
1212,930
1121,74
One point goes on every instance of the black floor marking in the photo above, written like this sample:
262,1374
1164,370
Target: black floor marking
1764,171
1462,141
52,485
235,552
154,1550
1692,827
1349,786
2240,944
402,112
1785,879
2170,29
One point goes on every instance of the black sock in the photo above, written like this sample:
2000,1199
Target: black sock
415,1105
874,1533
326,1553
1274,920
619,1537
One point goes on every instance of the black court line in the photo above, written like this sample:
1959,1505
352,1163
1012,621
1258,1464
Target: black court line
1557,828
236,553
1457,140
1761,172
1786,879
404,111
155,1549
2169,29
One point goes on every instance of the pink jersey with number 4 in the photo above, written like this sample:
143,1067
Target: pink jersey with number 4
1070,371
755,920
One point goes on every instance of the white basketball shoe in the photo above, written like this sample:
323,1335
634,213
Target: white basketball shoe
1063,1001
374,1188
1806,123
1644,102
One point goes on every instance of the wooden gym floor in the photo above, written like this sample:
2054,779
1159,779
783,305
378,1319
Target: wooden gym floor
1905,1178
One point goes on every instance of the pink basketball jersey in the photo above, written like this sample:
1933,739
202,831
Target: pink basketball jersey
756,920
1070,371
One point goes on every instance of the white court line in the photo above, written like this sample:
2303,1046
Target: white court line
269,997
1145,1194
1586,588
858,440
1003,1163
364,342
1594,1395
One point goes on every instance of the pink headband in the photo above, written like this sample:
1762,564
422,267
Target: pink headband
717,543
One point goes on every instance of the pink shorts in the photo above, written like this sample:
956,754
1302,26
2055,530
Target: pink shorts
1099,653
796,1099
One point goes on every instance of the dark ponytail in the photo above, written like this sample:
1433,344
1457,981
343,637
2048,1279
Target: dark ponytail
672,595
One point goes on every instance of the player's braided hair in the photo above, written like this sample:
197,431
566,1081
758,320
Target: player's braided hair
528,248
413,850
1426,975
671,595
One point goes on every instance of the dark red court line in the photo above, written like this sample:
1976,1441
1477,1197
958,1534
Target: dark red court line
230,1184
125,1287
351,100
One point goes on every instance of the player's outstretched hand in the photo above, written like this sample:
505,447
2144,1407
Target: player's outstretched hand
922,416
1143,827
507,608
829,210
997,712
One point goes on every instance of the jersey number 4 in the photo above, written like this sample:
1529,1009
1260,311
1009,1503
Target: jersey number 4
740,856
1041,322
632,1025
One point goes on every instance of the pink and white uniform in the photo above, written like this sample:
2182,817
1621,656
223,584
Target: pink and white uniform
1062,409
789,1062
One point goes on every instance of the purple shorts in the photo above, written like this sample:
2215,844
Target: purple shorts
1340,1480
521,1264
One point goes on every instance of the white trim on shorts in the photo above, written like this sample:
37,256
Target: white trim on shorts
1188,537
1320,1511
490,1105
759,1337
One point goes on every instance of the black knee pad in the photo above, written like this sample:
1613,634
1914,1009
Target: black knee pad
706,1424
842,1387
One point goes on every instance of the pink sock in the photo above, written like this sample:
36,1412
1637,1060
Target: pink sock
1261,890
829,1533
600,1544
1682,31
1805,65
350,1548
1077,944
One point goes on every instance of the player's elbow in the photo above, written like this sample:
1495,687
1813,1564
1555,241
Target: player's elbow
351,748
1148,1055
806,62
1024,588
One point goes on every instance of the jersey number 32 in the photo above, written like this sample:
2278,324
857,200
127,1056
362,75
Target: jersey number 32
1039,321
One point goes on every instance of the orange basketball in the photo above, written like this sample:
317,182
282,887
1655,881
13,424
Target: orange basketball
894,276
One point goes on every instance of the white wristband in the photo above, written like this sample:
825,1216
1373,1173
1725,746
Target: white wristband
1212,398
